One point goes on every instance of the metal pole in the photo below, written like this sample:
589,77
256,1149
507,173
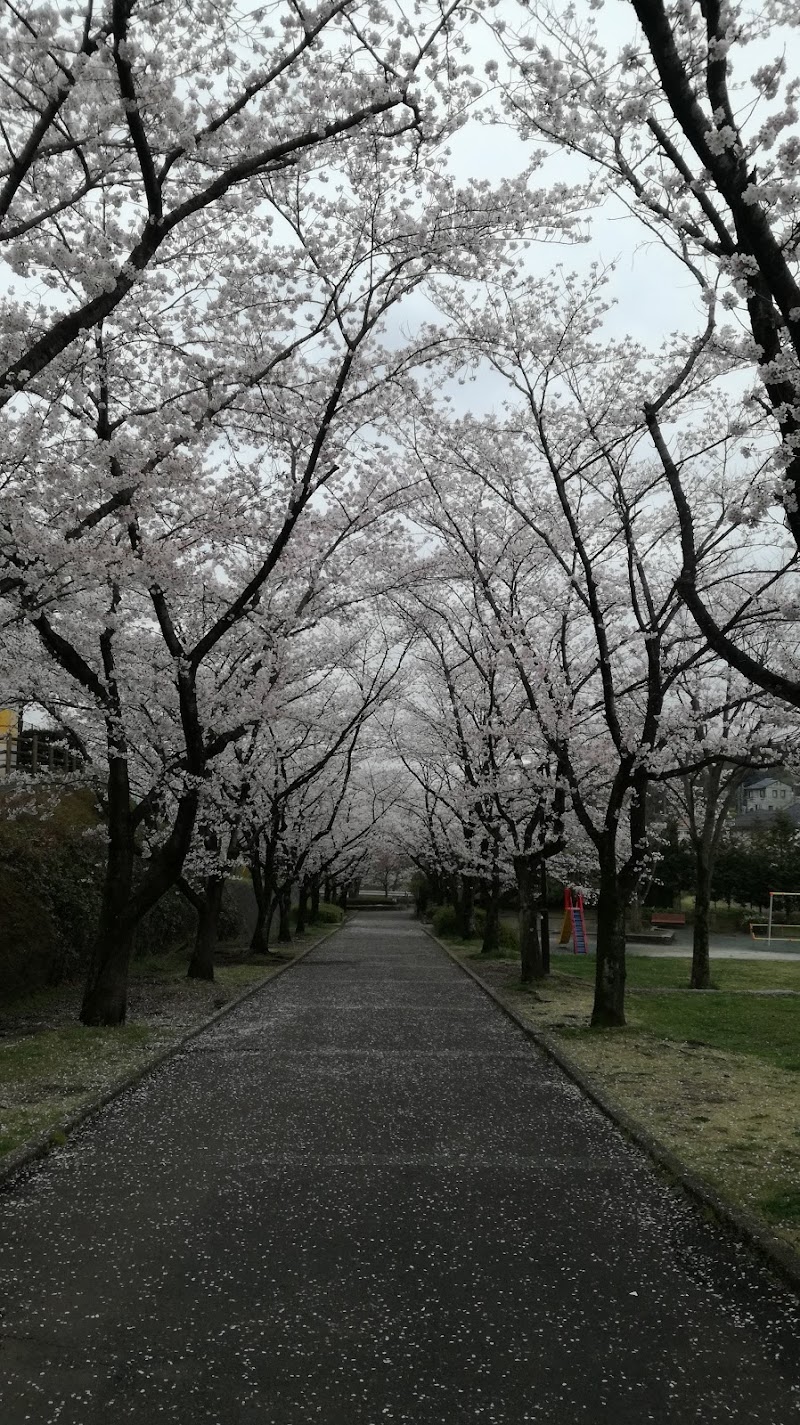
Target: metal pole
769,926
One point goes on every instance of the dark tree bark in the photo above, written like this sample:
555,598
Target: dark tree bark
262,869
105,996
545,915
315,891
123,905
201,965
491,929
284,900
701,965
609,987
465,908
530,949
262,903
302,907
421,900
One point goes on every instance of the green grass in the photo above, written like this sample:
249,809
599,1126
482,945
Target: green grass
34,1002
782,1207
668,972
61,1053
238,977
160,967
767,1029
47,1075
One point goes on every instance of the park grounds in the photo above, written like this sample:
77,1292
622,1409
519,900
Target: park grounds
712,1075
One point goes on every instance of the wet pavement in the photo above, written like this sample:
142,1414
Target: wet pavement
364,1197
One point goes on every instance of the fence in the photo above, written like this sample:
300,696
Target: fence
36,751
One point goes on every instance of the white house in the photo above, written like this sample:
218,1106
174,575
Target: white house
767,794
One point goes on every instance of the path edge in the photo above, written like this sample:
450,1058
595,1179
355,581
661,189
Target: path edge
44,1143
778,1255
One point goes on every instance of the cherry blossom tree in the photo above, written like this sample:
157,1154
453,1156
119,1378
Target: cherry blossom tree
692,126
552,509
727,729
473,747
127,133
209,437
300,819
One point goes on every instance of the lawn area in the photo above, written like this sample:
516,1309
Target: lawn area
47,1075
715,1076
672,972
765,1027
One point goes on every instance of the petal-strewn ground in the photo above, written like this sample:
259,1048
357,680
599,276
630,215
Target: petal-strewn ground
364,1197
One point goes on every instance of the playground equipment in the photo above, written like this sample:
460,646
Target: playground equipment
770,926
573,926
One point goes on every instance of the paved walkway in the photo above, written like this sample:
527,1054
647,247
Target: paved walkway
364,1198
721,947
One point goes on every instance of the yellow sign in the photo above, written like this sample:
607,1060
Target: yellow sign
8,722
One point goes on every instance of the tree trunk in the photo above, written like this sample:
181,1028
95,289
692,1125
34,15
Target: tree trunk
609,985
258,891
465,909
105,997
315,888
263,875
491,929
330,887
545,914
421,899
701,967
259,937
201,965
530,949
302,908
284,914
262,947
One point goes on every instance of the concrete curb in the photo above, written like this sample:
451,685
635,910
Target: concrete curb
778,1255
43,1144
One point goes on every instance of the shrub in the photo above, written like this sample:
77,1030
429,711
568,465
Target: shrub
443,921
508,937
328,914
169,926
232,921
50,885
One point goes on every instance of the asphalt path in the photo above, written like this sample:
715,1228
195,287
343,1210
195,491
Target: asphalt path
364,1197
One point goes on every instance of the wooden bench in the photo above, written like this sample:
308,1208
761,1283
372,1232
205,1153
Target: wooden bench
668,918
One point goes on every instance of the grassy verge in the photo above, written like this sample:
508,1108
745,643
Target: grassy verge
672,972
715,1076
51,1067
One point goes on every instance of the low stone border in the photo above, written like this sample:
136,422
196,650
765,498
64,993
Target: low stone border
44,1144
778,1255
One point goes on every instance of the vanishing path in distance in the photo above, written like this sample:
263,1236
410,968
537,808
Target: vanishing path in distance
365,1198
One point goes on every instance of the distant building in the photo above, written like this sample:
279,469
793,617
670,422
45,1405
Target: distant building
765,794
764,797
